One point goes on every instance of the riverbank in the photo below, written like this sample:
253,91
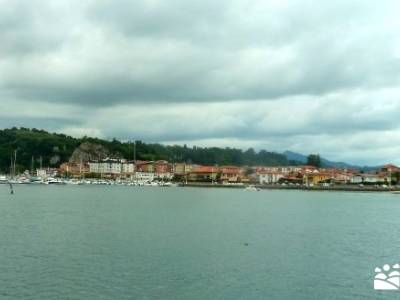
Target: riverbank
344,188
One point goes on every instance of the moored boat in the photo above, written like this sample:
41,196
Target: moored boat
54,181
252,188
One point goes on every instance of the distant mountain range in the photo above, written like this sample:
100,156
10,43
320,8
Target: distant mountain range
326,163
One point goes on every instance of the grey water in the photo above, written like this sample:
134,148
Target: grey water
106,242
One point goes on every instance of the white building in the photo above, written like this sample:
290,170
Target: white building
128,167
107,166
366,178
269,177
356,179
372,178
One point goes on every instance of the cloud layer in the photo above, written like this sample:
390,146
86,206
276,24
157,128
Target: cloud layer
304,75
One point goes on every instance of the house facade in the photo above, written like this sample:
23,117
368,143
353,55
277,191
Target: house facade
204,174
108,166
231,174
315,178
74,169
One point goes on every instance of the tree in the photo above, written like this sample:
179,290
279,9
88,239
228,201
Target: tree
314,160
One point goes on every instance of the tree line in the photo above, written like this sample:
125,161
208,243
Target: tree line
37,147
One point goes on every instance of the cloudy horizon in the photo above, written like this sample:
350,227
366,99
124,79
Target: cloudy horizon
304,76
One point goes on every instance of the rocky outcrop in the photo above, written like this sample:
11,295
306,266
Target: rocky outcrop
88,151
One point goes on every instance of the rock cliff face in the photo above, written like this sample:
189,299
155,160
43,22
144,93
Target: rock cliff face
89,151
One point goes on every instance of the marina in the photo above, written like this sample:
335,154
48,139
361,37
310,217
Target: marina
395,189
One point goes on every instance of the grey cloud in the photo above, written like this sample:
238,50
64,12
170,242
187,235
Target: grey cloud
254,120
30,122
206,72
31,27
108,52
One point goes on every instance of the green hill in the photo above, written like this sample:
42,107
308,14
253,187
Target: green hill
52,149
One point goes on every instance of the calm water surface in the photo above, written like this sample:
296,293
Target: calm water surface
95,242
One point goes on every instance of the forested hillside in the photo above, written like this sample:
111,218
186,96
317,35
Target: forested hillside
52,149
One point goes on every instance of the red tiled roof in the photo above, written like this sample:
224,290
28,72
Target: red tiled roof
390,166
205,169
230,170
271,172
143,162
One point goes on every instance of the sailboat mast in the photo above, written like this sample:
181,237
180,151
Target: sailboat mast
15,160
32,165
11,166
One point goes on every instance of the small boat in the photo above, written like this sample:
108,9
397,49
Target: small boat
396,192
252,188
54,181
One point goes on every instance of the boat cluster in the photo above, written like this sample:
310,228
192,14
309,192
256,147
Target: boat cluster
63,181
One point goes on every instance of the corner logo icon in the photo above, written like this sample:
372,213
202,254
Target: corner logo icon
387,278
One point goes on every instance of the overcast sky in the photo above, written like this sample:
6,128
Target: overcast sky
307,76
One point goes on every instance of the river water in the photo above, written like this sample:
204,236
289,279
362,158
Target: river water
110,242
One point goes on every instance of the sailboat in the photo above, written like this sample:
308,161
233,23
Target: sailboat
12,172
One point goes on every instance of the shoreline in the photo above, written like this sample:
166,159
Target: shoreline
302,188
336,188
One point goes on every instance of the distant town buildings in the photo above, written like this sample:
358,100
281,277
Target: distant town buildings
264,175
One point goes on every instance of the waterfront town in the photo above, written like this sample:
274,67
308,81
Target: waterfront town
182,172
121,170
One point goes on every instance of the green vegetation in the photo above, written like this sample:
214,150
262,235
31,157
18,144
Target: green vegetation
314,160
53,149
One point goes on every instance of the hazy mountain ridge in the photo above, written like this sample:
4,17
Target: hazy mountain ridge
290,155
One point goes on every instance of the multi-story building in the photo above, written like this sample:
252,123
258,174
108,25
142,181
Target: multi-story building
74,169
108,167
265,177
204,174
145,166
316,178
231,174
181,170
163,170
128,168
